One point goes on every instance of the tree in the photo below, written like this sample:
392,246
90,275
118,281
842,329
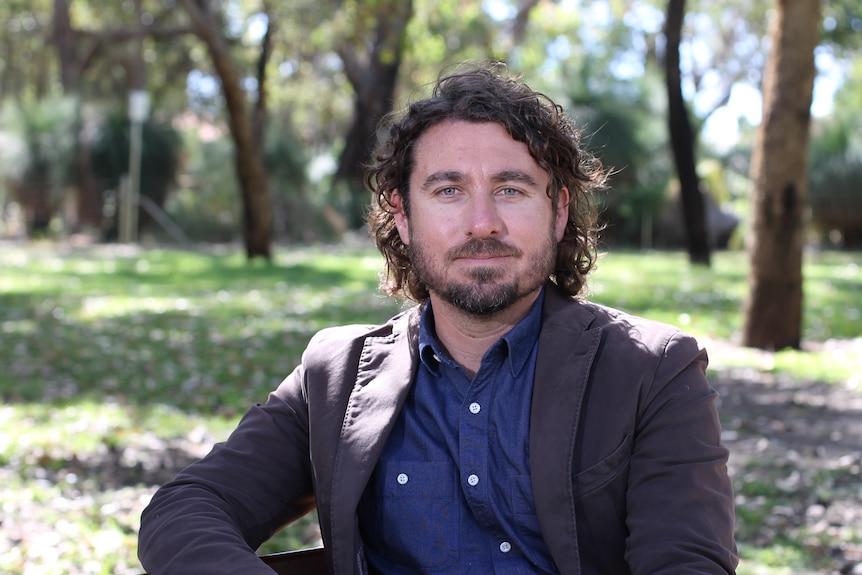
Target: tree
89,53
773,310
248,153
683,142
373,73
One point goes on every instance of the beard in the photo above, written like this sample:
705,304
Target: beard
490,288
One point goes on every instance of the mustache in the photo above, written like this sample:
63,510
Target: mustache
482,247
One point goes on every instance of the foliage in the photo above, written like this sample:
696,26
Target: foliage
27,69
835,167
41,143
160,154
160,157
594,46
836,205
45,128
622,127
206,203
842,25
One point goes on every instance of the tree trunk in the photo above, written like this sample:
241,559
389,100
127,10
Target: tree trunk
682,141
65,44
88,202
248,156
259,117
373,77
779,167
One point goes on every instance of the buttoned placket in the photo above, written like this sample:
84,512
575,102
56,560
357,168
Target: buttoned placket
474,464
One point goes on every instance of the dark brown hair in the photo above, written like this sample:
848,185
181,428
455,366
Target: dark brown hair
487,94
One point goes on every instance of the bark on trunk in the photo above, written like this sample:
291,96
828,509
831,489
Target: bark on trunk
250,168
773,311
682,142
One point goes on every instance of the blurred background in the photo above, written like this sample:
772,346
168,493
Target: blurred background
181,207
292,93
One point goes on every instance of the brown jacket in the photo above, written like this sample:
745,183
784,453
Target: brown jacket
628,472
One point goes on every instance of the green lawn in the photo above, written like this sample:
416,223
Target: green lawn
113,357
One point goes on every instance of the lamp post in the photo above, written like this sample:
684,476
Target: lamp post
139,107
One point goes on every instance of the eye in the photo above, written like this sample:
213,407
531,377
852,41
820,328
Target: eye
447,192
509,192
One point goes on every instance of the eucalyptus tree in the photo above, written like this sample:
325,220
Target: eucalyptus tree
682,140
245,122
773,310
374,39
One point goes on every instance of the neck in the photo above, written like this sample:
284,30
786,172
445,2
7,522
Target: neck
466,337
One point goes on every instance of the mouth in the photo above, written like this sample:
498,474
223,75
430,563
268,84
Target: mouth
482,260
483,251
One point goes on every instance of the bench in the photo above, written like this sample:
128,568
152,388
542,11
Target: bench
310,561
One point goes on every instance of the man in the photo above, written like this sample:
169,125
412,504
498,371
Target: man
503,425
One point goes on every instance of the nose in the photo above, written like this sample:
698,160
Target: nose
483,218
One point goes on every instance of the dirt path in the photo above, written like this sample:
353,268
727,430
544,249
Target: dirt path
796,463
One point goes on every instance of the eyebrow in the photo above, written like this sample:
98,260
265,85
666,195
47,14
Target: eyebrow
456,176
442,176
514,176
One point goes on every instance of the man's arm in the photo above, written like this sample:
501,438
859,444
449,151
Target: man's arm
216,512
680,512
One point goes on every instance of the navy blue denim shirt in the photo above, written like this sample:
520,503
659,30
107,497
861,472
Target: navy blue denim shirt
452,491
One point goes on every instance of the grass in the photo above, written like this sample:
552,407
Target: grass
114,357
708,304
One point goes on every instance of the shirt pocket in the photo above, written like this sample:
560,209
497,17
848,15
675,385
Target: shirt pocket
414,509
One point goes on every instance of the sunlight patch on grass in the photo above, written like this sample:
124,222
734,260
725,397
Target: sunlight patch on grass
774,560
99,307
34,435
834,361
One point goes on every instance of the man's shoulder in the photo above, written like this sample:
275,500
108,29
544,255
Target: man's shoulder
616,325
348,335
607,315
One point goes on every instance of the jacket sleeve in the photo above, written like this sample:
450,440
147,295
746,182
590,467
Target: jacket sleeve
216,512
679,501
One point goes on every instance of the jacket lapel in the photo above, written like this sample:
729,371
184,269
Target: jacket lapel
383,379
567,347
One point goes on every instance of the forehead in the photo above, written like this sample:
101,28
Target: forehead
471,147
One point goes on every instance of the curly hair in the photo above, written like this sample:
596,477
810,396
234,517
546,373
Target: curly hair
487,94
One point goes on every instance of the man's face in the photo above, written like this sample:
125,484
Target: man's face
482,231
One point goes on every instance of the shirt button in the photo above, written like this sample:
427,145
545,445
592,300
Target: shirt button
475,408
505,546
473,480
402,478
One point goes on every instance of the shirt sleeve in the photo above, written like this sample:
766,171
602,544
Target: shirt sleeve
216,512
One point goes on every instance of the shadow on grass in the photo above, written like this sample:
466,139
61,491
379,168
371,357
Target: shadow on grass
795,463
209,334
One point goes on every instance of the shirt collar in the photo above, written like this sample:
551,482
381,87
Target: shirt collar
516,345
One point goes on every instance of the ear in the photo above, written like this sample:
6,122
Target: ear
562,213
401,221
